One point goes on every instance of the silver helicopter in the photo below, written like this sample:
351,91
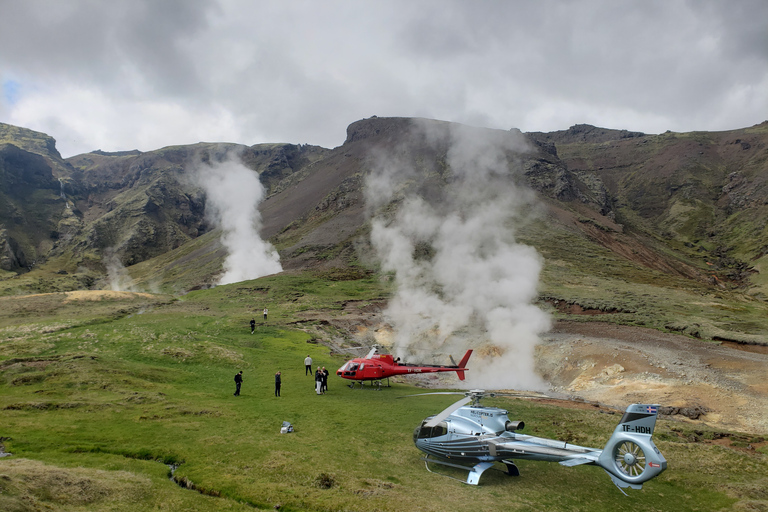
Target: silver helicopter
483,435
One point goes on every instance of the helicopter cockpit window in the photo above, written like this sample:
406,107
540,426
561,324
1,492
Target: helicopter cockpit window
440,429
353,367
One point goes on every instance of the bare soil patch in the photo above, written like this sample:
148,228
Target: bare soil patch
616,365
81,295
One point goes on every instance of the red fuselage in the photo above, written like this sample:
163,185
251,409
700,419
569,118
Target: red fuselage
381,366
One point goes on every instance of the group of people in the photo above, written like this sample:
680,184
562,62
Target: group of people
321,374
321,378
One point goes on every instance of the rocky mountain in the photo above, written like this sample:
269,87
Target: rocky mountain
690,206
699,195
30,201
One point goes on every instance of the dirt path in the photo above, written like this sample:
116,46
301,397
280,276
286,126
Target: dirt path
616,365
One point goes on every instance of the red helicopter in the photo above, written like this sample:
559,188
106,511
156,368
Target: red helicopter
375,367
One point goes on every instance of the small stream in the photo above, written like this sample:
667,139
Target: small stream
4,453
62,194
172,470
185,483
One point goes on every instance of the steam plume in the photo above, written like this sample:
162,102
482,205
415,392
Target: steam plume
233,195
462,279
118,277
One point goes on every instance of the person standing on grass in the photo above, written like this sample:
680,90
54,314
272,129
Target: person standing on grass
307,365
278,382
265,314
319,381
325,380
253,325
238,382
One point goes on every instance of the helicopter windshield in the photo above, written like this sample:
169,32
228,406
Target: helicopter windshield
440,429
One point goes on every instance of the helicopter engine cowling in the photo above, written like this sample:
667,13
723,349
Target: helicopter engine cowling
511,426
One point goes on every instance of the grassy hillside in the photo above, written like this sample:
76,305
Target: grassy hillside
702,194
105,396
579,272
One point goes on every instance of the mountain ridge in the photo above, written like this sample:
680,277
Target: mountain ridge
691,206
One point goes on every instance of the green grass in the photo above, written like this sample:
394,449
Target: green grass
98,400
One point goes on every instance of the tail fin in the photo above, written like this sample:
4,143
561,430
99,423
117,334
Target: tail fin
629,456
638,419
463,364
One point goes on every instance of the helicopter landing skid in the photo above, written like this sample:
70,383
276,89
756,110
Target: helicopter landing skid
475,472
373,383
512,469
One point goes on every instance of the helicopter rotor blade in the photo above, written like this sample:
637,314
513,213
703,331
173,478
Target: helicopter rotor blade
517,395
447,412
436,393
481,393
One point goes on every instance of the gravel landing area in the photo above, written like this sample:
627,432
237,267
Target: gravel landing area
724,386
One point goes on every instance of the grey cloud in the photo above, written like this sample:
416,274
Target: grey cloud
302,71
105,42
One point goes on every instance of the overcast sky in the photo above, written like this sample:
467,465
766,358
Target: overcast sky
140,74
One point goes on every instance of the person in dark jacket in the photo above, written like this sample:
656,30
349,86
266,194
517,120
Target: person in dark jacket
319,381
325,380
278,382
253,325
238,382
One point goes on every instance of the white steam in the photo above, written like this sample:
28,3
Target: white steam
233,195
462,279
118,277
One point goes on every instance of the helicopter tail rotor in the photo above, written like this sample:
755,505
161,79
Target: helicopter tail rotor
630,457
